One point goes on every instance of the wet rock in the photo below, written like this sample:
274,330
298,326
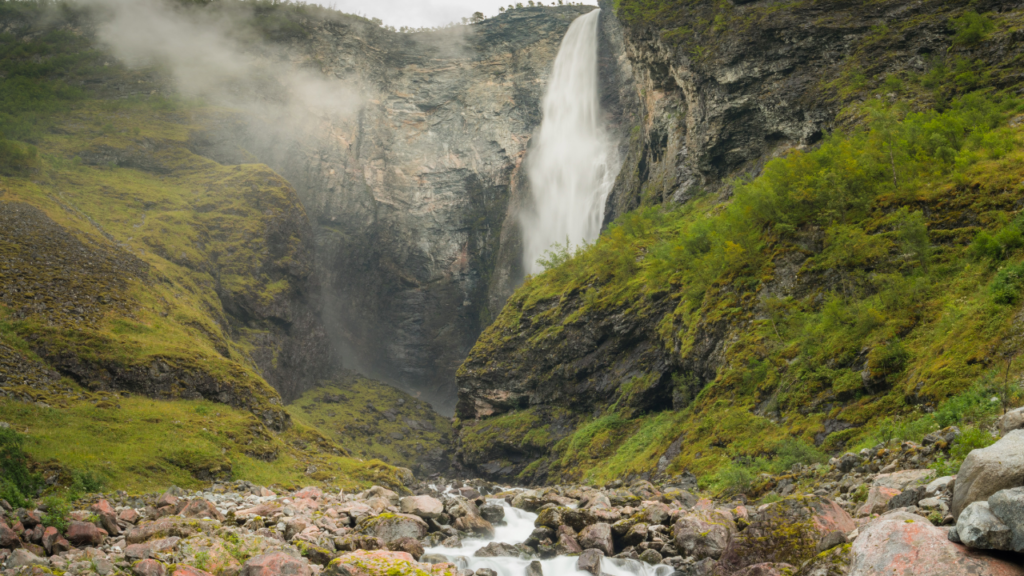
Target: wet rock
904,543
492,512
977,527
495,549
636,535
534,569
422,506
651,556
988,470
597,536
475,525
1008,506
590,561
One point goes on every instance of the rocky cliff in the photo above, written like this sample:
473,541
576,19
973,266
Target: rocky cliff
665,347
414,199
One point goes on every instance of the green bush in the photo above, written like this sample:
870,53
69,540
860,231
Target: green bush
1008,283
17,483
971,28
57,510
795,451
17,158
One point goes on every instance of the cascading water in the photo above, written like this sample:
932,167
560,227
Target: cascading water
517,528
572,162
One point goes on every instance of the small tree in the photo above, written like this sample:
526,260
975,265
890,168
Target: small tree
477,17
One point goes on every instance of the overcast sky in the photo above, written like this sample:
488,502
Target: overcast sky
417,13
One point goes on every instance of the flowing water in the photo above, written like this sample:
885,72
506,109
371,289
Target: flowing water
572,162
517,528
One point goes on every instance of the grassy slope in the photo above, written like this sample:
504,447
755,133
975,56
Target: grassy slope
891,279
159,240
373,420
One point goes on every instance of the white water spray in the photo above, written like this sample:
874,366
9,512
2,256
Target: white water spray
573,162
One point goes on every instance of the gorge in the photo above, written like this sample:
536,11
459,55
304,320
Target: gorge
732,287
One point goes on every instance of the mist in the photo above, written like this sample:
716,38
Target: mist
215,54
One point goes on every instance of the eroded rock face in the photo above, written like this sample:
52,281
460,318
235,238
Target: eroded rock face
414,197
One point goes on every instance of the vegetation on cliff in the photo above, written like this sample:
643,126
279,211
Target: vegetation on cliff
858,291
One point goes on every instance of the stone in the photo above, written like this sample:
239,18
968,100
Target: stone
166,499
878,500
164,527
534,569
986,471
311,492
909,497
22,557
380,492
497,549
8,537
422,506
85,534
788,531
485,572
275,564
475,525
977,527
389,527
834,562
492,512
107,516
597,536
636,534
36,549
651,556
201,509
148,567
130,516
50,535
1012,420
703,534
410,546
567,543
590,561
900,543
831,540
938,486
1008,507
104,567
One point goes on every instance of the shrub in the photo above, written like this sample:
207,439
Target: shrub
1007,285
971,28
57,509
795,451
17,484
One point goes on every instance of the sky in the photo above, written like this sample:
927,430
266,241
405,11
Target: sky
418,13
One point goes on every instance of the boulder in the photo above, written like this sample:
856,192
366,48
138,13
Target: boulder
389,527
276,564
8,538
107,516
703,534
597,536
50,535
201,509
900,543
567,543
148,568
474,524
988,470
651,556
1008,507
85,534
590,561
788,531
496,549
904,479
164,527
410,546
493,512
938,486
636,534
130,516
833,562
1012,420
151,548
22,557
878,500
534,568
977,527
422,506
380,492
311,492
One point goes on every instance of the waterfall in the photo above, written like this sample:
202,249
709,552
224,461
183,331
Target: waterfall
572,162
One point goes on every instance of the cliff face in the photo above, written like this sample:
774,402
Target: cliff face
414,198
594,369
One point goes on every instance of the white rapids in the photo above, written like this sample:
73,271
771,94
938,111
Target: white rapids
517,528
572,162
